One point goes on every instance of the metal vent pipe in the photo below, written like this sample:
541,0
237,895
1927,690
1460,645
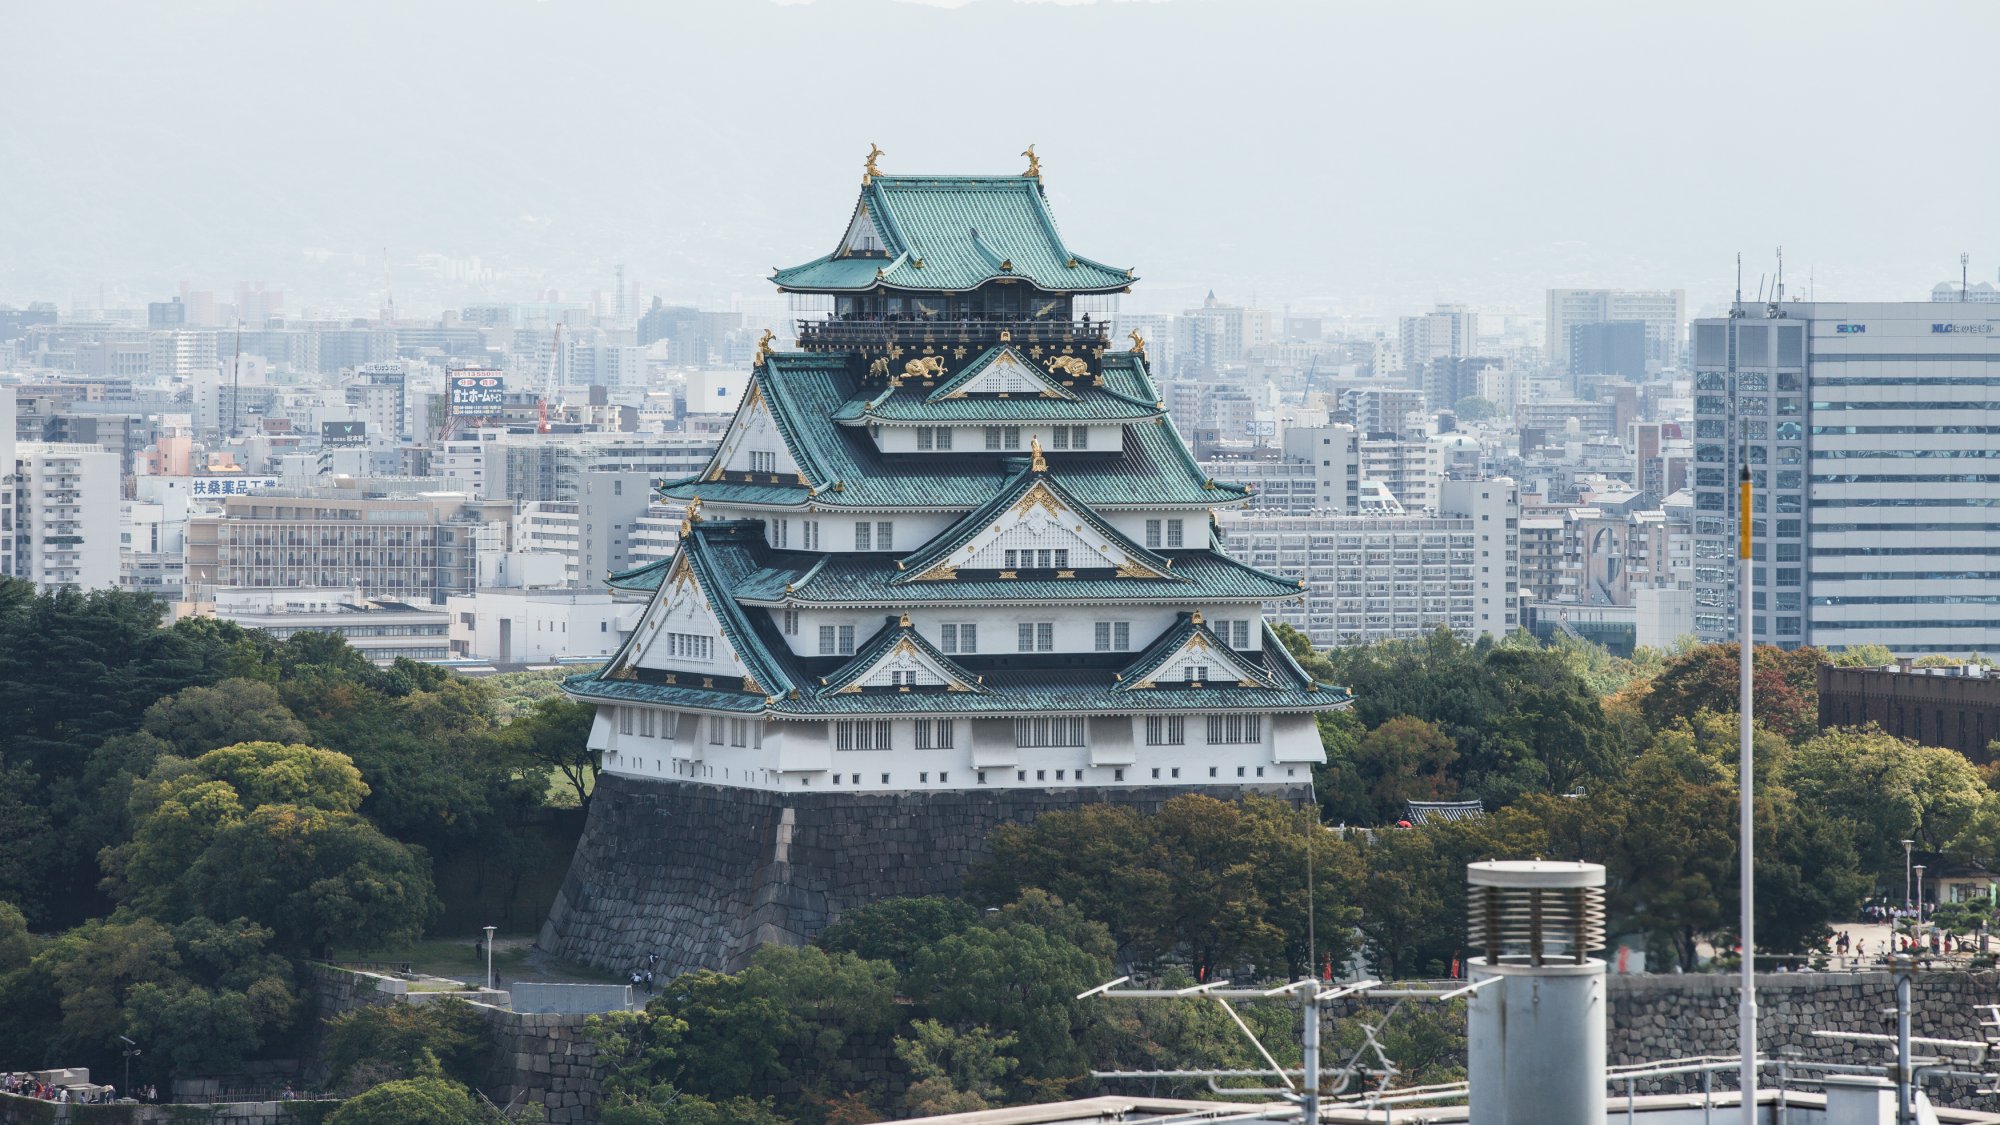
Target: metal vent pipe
1535,1039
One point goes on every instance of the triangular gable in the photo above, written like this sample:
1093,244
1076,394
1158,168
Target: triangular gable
1037,516
689,634
865,237
898,658
1003,371
1190,653
757,446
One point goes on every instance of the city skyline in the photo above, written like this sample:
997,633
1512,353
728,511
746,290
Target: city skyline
1395,160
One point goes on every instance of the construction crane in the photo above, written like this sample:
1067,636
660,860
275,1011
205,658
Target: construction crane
549,384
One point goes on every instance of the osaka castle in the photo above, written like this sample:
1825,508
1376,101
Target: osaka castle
953,541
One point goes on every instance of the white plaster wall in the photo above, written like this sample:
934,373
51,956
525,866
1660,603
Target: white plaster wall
798,755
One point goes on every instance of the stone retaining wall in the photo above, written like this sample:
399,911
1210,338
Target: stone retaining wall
1659,1017
544,1059
703,874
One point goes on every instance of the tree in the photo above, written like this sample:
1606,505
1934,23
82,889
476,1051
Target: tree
952,1071
198,719
400,1040
16,944
1014,975
554,734
1786,687
785,1022
320,879
895,929
269,832
410,1101
1472,408
1862,656
1402,760
1885,790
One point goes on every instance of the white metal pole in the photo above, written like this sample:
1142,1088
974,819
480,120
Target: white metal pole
1746,826
1309,1044
489,956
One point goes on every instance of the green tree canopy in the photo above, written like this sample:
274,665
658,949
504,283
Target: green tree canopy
894,929
410,1101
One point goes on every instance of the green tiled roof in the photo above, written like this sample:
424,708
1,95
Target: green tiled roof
804,389
987,514
641,578
1170,642
878,646
1008,693
712,550
951,233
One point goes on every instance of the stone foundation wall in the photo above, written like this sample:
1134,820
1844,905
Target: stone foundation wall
543,1059
1660,1017
702,874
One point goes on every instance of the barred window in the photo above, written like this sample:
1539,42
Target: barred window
934,734
1048,731
1037,636
624,720
1166,730
885,536
1227,729
959,638
861,536
690,646
861,734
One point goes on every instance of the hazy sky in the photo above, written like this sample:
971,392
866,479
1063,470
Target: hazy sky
1358,158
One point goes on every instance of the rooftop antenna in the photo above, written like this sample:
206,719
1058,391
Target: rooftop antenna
1964,279
1779,299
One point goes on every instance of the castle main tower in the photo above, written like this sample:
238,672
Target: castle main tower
952,565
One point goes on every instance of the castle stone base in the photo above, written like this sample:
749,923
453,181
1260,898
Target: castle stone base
702,874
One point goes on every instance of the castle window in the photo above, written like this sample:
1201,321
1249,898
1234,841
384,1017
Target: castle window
861,536
1194,673
861,734
1235,729
1037,636
959,638
690,646
791,622
934,734
1047,731
625,720
1114,636
1166,730
885,536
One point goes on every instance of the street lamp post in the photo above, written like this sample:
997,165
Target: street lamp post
131,1048
1917,922
1907,845
489,955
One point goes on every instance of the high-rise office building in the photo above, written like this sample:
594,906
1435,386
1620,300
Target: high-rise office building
1662,311
65,515
1869,432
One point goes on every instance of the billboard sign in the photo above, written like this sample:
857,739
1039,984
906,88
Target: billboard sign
230,485
343,433
477,393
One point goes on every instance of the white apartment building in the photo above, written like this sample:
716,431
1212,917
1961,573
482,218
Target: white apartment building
66,515
379,628
1371,578
8,412
1871,432
1663,311
1447,331
538,626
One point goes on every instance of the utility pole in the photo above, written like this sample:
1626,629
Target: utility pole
489,956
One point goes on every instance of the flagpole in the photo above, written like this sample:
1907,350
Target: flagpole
1746,774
